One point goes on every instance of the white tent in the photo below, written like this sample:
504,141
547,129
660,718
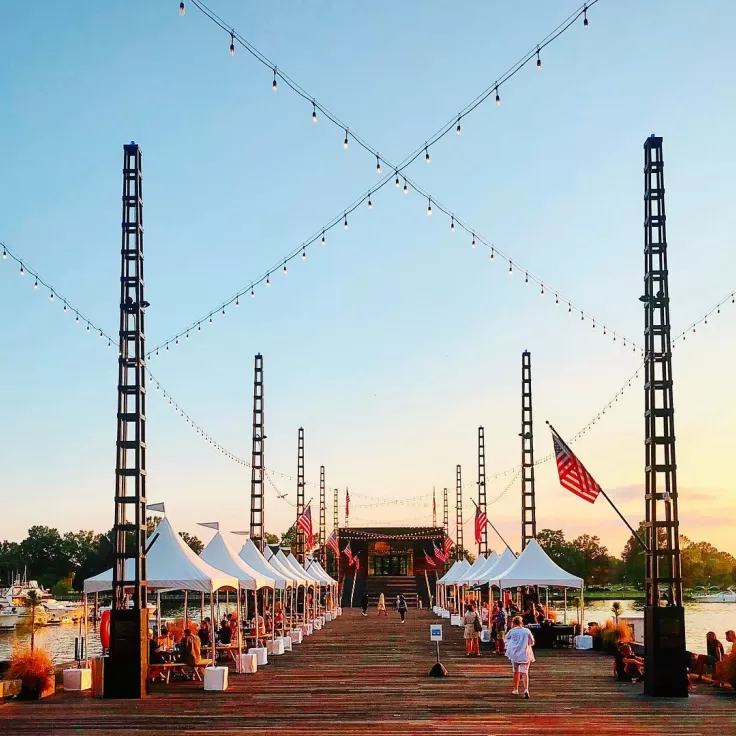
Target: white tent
468,577
505,561
316,568
534,567
252,555
443,579
218,554
456,573
283,569
292,562
170,564
478,575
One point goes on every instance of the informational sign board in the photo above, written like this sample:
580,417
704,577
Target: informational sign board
435,632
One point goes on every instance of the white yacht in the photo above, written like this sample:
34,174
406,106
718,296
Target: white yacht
8,619
15,595
722,596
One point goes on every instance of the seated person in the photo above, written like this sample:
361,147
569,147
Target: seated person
164,640
225,633
191,652
701,662
204,634
627,665
232,621
155,656
261,626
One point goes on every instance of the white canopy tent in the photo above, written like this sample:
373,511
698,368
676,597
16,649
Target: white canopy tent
477,577
285,570
315,569
219,554
253,557
501,563
291,560
467,577
456,573
442,580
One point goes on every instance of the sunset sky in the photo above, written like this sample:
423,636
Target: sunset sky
396,340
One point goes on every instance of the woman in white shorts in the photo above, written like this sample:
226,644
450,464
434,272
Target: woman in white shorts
519,642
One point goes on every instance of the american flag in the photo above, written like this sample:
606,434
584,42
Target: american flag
347,504
430,561
356,562
573,474
481,519
304,522
349,552
332,542
438,553
447,546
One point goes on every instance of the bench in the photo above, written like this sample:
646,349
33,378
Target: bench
164,669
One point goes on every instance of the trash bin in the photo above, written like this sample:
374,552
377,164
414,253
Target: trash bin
98,676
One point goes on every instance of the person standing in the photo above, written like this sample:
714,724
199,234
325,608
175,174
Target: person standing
471,633
382,606
500,620
401,606
364,603
519,642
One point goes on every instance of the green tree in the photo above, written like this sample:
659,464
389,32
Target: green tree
272,538
288,538
44,553
633,559
192,541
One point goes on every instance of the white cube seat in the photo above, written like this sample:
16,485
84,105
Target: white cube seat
296,636
261,653
287,643
215,678
78,679
275,646
248,663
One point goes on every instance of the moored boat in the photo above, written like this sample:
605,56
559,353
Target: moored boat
722,596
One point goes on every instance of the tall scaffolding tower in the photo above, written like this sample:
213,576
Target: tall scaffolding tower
257,510
434,508
664,634
446,520
322,518
483,546
300,540
528,501
459,513
127,675
336,527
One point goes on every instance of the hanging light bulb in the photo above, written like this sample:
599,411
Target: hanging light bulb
274,86
397,179
51,296
569,311
345,223
378,165
210,319
223,312
252,293
406,188
498,96
429,207
492,253
87,326
232,44
585,16
100,334
452,224
181,8
346,143
64,306
557,299
5,253
77,320
187,334
35,284
426,154
21,269
304,254
510,269
285,271
199,329
542,291
539,61
314,111
237,301
458,129
472,244
323,238
370,204
268,279
526,278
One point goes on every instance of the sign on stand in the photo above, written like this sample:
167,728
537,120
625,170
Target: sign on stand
435,635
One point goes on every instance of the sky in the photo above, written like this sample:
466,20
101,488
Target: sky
392,343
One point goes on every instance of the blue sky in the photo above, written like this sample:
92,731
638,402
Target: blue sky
395,341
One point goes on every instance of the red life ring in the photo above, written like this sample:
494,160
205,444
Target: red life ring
105,629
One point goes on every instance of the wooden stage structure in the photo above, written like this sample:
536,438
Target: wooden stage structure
369,676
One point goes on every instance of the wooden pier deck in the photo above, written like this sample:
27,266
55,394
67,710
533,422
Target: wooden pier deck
369,676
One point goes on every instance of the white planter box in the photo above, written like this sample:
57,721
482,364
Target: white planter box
78,679
275,646
339,611
248,664
485,635
287,643
445,613
328,616
583,642
261,653
456,620
307,629
215,678
296,636
316,624
434,609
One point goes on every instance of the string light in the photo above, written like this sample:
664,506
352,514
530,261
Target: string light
406,188
492,252
498,96
346,143
452,225
458,129
526,278
181,8
426,154
21,269
585,16
285,271
268,280
370,204
314,112
472,244
324,241
232,44
539,61
345,223
253,293
237,304
5,253
35,284
510,269
51,296
397,180
542,291
378,165
304,254
429,207
274,86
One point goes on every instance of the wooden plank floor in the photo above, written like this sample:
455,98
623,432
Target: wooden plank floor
369,676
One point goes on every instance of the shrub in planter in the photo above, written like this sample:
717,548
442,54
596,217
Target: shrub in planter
612,634
596,633
35,670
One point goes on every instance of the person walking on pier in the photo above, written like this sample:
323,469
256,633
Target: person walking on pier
472,630
382,606
364,603
401,607
519,642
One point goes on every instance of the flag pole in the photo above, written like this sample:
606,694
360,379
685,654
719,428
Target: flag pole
488,521
606,496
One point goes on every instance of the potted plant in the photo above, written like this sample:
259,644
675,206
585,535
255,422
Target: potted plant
35,671
595,631
616,609
614,633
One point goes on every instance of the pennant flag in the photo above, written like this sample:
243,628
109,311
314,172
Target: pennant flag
430,561
438,553
332,542
356,562
434,507
347,505
481,519
573,475
448,545
304,522
349,552
210,525
156,507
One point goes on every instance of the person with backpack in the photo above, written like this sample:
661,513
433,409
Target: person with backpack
364,604
500,620
471,634
402,607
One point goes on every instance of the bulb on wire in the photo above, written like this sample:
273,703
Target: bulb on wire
542,291
35,284
223,312
274,86
77,319
406,188
210,320
539,61
345,223
21,269
397,181
232,44
429,208
64,306
237,301
370,204
323,238
585,16
498,96
181,8
51,296
458,130
346,143
5,253
87,326
426,154
253,293
314,112
378,165
304,254
492,252
268,279
452,224
526,278
472,245
510,268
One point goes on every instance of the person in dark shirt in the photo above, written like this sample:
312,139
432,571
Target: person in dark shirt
627,665
225,633
204,634
154,650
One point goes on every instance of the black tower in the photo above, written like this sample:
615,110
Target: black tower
257,532
483,546
300,540
127,673
459,513
528,502
664,627
322,518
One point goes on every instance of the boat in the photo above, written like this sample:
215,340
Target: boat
9,617
16,594
722,596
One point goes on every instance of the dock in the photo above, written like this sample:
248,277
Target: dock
369,676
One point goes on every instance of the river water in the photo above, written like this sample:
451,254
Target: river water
59,640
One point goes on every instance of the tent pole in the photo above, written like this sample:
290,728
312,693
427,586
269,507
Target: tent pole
86,632
273,615
186,612
582,607
212,633
564,620
240,638
201,607
158,612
